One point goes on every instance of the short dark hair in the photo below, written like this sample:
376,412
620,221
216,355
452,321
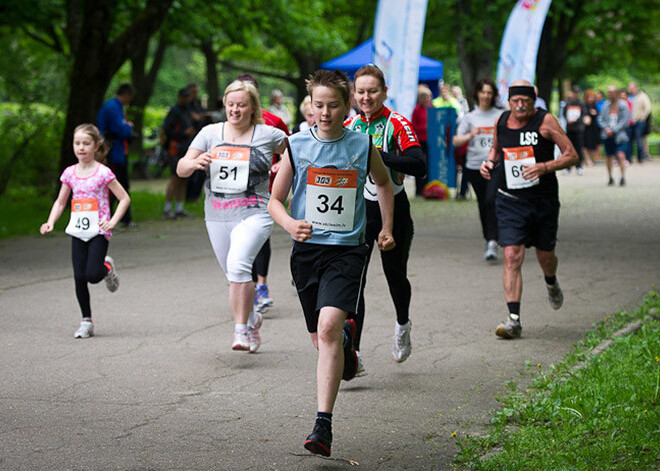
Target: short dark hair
184,92
125,89
248,78
480,84
335,79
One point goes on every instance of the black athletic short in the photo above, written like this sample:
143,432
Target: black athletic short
532,222
327,275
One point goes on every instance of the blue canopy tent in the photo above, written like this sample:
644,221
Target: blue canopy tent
430,71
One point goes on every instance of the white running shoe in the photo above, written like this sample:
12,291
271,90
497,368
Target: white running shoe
111,279
555,295
255,320
360,366
491,251
241,341
511,328
402,345
254,338
86,329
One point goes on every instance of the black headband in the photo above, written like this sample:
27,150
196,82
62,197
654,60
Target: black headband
526,90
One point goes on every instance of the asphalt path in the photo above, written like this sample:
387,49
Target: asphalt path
158,387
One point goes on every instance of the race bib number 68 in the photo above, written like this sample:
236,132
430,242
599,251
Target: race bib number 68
515,159
330,202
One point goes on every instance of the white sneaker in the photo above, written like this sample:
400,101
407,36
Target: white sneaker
255,320
85,331
491,251
241,341
402,345
111,279
254,338
360,366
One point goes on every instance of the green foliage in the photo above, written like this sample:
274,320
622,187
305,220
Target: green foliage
602,416
39,127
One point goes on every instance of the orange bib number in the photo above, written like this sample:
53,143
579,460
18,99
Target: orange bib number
515,159
84,222
230,169
330,202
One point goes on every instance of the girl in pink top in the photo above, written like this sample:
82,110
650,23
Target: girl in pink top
91,223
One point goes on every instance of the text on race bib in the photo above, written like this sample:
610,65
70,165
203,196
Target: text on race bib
230,169
84,221
573,113
515,159
330,201
484,137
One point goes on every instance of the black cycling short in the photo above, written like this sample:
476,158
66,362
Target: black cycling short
528,221
327,276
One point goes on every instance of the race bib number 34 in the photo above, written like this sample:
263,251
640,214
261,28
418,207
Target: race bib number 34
330,202
230,169
515,158
84,222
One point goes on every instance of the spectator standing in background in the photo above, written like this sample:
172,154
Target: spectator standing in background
278,109
641,111
420,126
574,113
116,130
592,143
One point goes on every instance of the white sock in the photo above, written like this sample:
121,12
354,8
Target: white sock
179,206
168,206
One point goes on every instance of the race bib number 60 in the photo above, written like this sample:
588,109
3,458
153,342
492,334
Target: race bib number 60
515,158
330,202
84,222
230,169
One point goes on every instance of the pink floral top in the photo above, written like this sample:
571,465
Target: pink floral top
94,186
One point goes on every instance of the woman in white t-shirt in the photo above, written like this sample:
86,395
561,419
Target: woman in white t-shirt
237,156
477,128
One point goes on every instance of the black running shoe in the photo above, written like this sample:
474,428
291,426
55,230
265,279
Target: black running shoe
350,357
320,440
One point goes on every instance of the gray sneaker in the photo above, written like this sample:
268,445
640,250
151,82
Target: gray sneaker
360,366
555,295
491,251
111,279
402,345
511,329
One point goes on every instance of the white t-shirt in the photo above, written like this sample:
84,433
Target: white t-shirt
479,145
233,205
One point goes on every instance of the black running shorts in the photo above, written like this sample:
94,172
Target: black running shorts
532,222
327,275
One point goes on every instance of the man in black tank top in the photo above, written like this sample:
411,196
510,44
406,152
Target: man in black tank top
527,204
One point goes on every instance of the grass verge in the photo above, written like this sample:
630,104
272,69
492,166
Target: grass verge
589,412
23,210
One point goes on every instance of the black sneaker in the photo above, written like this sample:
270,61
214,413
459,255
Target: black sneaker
320,440
350,357
610,182
622,182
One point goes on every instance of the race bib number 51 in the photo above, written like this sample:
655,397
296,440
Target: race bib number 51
230,169
84,222
515,158
330,202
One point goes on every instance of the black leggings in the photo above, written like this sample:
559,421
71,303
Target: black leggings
261,261
486,190
395,261
88,267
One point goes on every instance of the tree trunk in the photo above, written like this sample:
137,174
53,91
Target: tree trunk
475,54
97,60
144,81
212,86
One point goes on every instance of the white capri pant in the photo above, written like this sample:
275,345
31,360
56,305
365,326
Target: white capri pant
237,243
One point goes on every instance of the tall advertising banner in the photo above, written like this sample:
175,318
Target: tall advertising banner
520,43
398,34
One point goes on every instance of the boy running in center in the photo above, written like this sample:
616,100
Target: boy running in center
326,168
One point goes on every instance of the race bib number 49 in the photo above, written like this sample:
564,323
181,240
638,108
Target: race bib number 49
330,202
515,159
230,169
84,222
